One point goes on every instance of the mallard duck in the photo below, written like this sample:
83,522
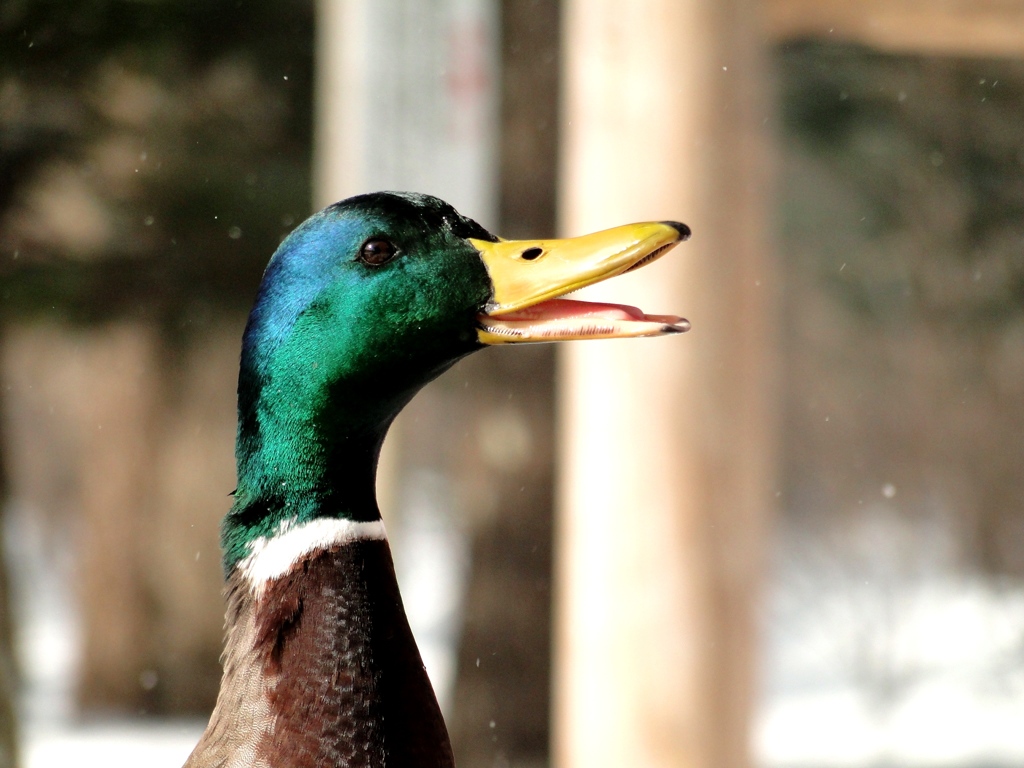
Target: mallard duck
361,305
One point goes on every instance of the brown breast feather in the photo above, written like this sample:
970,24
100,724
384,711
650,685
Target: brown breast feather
322,671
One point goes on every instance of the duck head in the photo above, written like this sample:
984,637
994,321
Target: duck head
367,301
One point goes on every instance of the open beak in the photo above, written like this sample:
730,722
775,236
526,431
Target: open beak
529,276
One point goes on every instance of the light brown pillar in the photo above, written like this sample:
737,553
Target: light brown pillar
666,449
115,419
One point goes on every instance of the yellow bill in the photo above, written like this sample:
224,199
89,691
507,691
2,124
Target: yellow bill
529,276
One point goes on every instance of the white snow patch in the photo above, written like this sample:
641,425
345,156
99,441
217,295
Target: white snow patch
882,650
132,742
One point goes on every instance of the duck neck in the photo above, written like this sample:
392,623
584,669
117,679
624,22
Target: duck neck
297,480
304,450
320,666
308,443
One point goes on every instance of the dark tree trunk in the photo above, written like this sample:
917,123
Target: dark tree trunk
501,709
8,668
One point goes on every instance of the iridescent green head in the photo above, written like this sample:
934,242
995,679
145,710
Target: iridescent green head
367,301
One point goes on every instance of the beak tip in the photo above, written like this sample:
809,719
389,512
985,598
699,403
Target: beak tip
683,230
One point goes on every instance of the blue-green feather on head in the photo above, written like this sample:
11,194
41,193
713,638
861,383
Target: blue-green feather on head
323,371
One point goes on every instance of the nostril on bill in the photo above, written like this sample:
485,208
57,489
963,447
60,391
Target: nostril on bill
532,253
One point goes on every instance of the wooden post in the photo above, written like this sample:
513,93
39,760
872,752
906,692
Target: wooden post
406,100
666,444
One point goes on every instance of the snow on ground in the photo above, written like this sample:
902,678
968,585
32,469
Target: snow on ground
135,743
881,652
47,643
878,652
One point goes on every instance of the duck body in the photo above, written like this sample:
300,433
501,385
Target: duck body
362,305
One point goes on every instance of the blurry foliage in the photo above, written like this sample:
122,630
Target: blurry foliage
152,152
935,149
903,229
152,155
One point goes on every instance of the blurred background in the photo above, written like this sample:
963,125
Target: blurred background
793,538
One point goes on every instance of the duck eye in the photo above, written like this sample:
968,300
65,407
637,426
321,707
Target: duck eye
377,251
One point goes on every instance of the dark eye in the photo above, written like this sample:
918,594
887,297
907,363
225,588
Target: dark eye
377,251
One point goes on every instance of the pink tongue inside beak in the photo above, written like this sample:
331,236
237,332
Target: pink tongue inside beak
560,309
